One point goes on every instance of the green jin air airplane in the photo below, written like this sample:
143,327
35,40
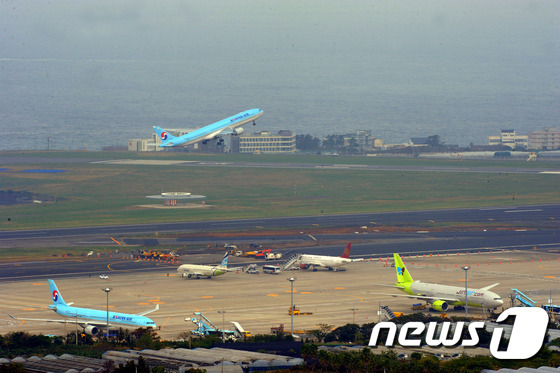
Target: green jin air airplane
442,296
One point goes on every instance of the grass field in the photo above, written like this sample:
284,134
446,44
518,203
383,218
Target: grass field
99,194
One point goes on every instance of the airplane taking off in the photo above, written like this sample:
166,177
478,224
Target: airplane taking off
329,262
198,270
441,296
92,321
211,131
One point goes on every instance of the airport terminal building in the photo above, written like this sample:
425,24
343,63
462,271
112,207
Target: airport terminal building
264,142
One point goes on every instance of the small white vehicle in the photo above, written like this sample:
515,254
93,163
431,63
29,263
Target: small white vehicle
104,277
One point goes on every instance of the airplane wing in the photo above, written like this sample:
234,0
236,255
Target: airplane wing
196,274
234,269
490,286
82,323
424,297
149,311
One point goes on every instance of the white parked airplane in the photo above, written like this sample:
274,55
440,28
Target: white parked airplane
212,131
441,296
92,321
330,262
198,270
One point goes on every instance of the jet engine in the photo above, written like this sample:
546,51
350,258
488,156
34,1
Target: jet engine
91,330
440,305
304,266
237,132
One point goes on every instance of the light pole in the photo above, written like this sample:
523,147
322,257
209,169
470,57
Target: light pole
466,268
353,309
107,290
223,323
292,279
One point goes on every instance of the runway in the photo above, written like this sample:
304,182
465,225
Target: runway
523,216
327,165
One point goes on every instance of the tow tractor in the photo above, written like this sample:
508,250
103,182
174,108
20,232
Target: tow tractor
295,311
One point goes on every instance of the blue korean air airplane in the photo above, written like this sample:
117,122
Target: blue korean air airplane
228,126
92,321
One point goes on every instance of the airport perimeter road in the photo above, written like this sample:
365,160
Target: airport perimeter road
85,235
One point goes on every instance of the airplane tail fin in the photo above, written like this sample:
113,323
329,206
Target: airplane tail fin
225,260
163,135
402,273
346,252
56,296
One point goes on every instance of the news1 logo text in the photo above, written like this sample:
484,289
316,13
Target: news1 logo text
527,334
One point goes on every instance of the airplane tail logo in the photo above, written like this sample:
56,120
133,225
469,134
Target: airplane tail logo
402,273
346,252
162,134
56,296
225,260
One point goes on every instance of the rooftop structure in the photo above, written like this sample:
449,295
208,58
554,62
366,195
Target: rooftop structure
172,198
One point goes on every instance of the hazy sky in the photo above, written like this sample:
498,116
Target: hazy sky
137,29
412,67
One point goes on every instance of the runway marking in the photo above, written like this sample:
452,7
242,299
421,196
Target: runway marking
515,211
549,276
306,292
207,296
272,295
38,284
340,288
162,325
28,309
143,304
360,298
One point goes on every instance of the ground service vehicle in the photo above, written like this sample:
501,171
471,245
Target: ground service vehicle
272,269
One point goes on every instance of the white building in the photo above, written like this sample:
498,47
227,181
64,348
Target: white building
264,142
509,138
